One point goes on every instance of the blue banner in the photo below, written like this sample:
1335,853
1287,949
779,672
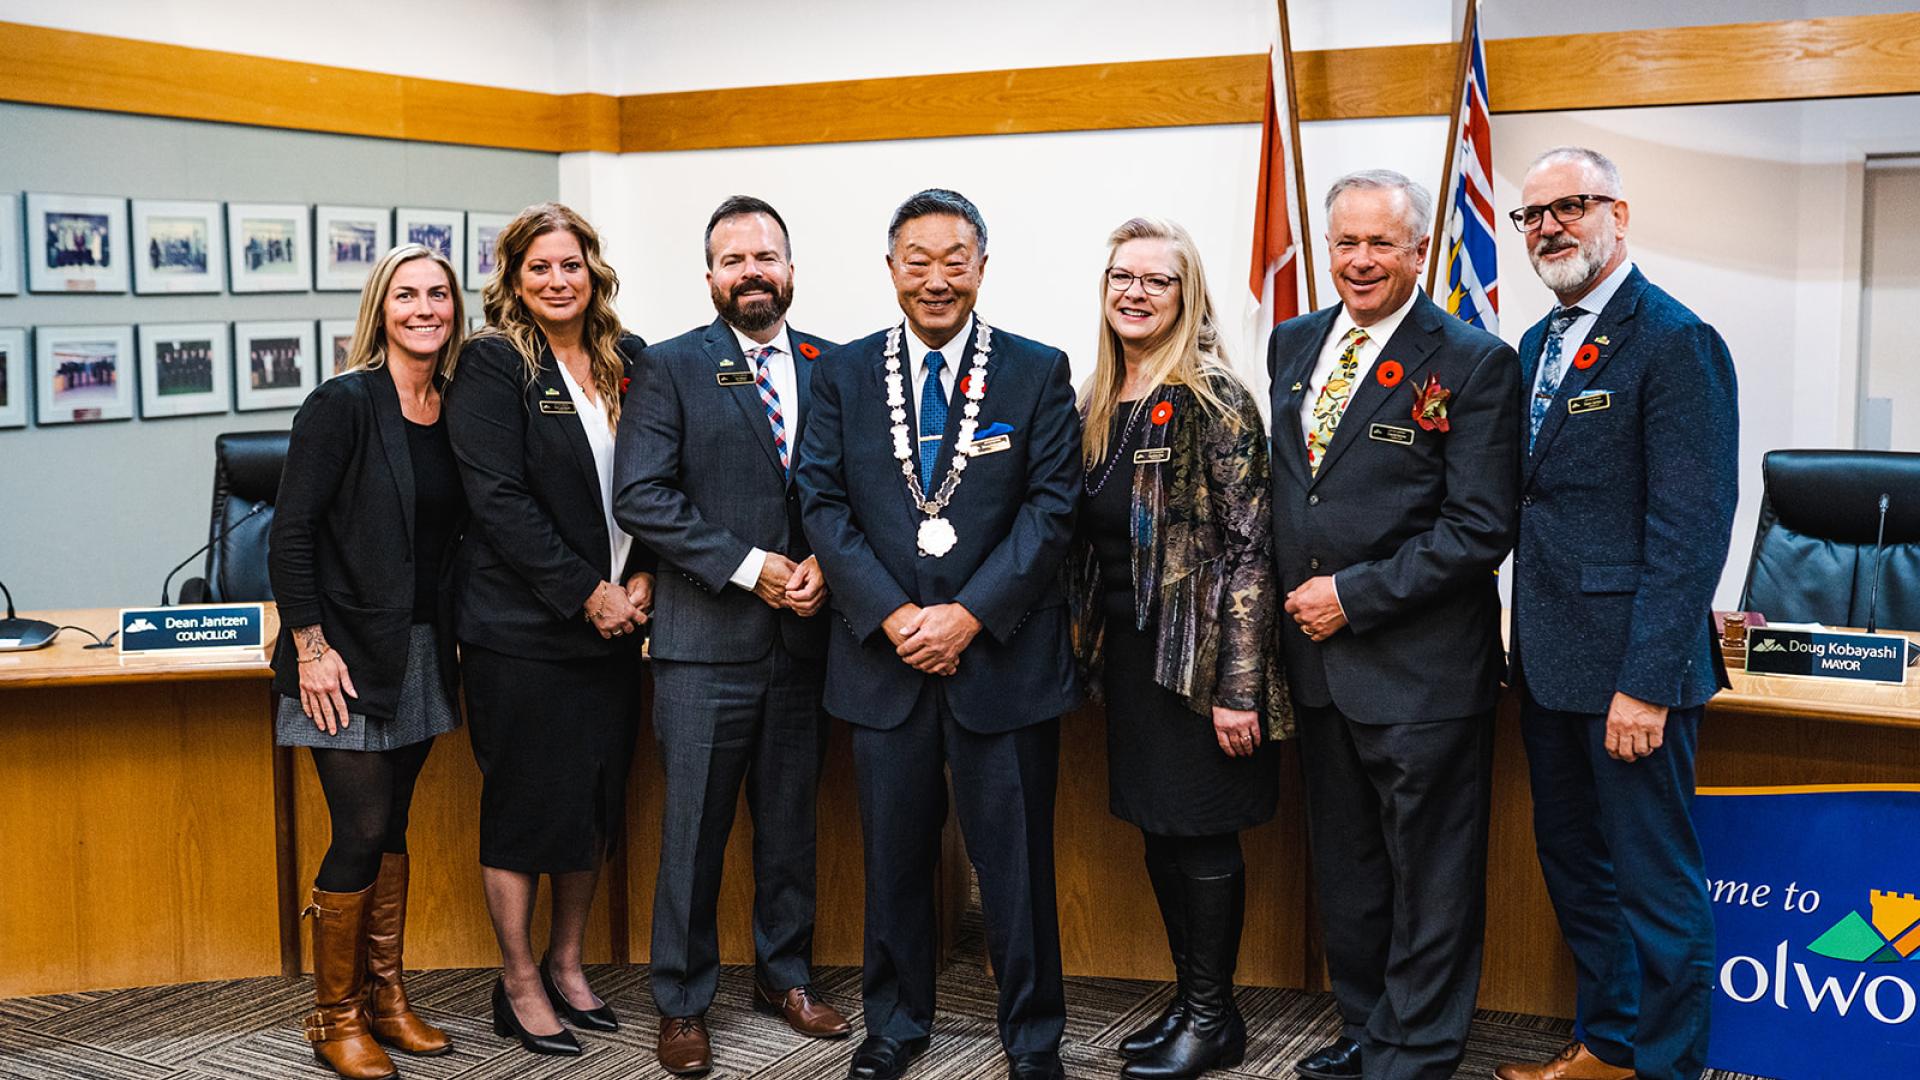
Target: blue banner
1818,924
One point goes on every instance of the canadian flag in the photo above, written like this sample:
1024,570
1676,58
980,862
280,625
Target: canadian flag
1274,278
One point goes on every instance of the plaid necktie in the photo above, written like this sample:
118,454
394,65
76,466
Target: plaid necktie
1552,369
933,418
1332,402
763,382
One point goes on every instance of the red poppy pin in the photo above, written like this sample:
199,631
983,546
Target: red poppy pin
1430,406
1161,413
809,350
1389,373
966,385
625,382
1588,356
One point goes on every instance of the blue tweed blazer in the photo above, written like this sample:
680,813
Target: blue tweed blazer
1626,510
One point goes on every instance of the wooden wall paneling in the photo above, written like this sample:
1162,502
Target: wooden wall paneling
139,831
1389,80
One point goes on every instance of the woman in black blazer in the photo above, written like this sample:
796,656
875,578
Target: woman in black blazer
552,597
369,510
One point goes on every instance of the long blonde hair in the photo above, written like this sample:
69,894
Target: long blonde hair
507,314
369,348
1190,354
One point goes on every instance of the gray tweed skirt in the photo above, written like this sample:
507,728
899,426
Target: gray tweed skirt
422,712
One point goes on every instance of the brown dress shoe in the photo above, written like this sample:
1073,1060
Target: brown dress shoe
803,1012
1576,1062
683,1048
391,1018
338,1026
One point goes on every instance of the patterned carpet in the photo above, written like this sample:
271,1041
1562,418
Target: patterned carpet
249,1029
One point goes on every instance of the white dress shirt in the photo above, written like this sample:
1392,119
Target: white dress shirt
1377,337
952,352
1592,303
786,386
593,419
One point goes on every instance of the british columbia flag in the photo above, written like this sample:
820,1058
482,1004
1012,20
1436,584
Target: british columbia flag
1473,280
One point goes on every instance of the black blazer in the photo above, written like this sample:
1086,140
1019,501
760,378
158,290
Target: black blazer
1013,513
537,540
700,480
340,553
1411,523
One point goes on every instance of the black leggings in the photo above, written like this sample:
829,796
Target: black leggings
1195,856
368,793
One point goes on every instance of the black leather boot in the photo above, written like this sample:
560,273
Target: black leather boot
1211,1034
1167,889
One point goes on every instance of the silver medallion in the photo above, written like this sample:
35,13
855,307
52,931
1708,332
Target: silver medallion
937,536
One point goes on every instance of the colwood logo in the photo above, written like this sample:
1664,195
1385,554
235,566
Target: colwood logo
1890,937
1769,645
140,626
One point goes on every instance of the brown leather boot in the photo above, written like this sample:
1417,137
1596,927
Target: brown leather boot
1576,1062
338,1027
391,1018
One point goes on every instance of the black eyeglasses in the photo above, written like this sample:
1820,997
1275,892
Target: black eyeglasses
1566,211
1154,284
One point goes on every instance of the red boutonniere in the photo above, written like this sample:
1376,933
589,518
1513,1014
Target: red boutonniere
625,381
1389,373
1430,406
1588,356
1161,413
808,350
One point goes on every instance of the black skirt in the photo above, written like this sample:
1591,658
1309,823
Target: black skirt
554,739
1166,772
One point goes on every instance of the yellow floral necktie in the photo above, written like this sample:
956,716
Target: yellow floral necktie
1332,402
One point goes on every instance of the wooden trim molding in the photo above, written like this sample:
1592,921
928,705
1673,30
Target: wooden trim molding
1852,56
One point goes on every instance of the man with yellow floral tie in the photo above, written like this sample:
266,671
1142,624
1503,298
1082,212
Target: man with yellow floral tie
1396,463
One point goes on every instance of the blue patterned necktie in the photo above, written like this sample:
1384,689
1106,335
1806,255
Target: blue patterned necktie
933,419
1552,369
769,397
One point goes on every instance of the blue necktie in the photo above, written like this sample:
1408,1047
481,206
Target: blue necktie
933,419
1552,369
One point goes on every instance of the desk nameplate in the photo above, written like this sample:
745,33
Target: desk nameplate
233,633
1821,654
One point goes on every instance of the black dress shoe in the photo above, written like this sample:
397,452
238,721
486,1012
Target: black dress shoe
1340,1061
881,1058
1039,1065
507,1025
600,1019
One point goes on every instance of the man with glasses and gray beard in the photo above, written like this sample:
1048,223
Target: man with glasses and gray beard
706,459
1627,500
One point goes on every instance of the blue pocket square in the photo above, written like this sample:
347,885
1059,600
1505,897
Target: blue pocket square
995,428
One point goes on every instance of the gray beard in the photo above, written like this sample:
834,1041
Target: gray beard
1574,275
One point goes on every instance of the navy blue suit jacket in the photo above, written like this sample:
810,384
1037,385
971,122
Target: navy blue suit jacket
1627,510
1013,513
1411,523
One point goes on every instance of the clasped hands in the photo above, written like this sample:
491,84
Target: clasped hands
799,587
931,639
615,611
1315,606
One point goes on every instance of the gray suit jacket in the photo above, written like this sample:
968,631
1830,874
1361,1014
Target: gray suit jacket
698,480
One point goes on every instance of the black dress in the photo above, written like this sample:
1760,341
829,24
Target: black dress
1166,772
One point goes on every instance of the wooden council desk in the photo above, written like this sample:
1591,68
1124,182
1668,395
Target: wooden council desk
153,834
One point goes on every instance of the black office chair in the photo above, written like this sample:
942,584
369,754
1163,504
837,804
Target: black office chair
1813,553
246,479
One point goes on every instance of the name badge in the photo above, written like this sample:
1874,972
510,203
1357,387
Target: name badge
733,378
1591,401
1153,455
993,445
558,408
1399,436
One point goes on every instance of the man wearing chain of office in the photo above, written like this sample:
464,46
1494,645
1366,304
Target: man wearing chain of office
938,475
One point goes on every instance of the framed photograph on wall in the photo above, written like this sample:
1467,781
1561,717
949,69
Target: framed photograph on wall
184,369
347,241
83,373
267,247
76,243
272,364
10,256
482,231
439,231
336,342
13,377
177,247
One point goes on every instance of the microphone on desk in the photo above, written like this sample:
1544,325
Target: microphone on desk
167,585
19,635
1879,542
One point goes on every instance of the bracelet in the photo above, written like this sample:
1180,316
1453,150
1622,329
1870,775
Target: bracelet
324,650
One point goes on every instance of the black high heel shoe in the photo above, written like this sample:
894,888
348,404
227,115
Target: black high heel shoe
600,1019
507,1025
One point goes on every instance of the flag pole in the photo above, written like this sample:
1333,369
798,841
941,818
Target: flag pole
1303,242
1441,211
